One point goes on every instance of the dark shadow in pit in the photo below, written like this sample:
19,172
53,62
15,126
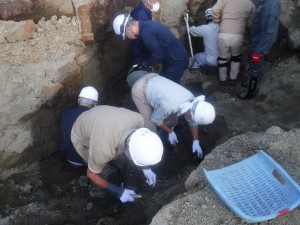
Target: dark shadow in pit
60,181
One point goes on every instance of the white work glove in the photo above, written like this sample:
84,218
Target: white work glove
151,177
197,148
173,138
126,196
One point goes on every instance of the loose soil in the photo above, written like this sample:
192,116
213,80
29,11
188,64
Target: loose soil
55,193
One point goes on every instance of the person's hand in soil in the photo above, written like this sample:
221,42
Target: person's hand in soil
127,196
196,148
173,138
151,177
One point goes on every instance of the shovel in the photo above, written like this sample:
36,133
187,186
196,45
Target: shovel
186,18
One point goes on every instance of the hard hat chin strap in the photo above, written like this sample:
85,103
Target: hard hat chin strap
127,140
124,23
127,153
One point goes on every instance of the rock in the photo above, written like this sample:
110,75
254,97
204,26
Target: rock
294,38
27,188
83,181
82,9
274,130
36,81
67,8
17,31
10,9
205,207
89,206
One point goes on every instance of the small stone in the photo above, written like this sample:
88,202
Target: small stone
89,206
83,181
203,206
116,209
274,130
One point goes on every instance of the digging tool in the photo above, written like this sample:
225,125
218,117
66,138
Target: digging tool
186,18
136,195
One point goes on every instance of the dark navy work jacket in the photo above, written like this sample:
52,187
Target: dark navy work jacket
161,44
265,26
67,120
140,13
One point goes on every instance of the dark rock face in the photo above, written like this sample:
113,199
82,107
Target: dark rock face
21,10
15,9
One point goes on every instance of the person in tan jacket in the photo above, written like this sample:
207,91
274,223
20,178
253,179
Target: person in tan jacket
234,16
103,135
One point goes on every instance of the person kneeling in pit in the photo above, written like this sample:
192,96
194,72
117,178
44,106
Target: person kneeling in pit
209,32
161,101
87,99
103,134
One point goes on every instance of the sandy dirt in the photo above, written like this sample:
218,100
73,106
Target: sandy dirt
55,193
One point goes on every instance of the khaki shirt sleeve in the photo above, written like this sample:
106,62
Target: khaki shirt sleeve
81,150
96,162
217,11
101,151
77,142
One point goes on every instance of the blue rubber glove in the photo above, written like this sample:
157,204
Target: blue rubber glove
173,138
151,177
123,194
127,196
196,148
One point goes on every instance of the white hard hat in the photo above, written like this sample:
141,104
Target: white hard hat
89,92
145,147
203,113
120,23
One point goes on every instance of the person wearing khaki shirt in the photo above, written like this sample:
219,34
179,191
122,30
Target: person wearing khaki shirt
233,16
161,101
103,134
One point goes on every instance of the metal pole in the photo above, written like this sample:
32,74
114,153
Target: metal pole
186,18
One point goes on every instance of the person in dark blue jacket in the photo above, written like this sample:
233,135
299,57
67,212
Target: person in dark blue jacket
141,13
164,52
264,34
144,10
87,99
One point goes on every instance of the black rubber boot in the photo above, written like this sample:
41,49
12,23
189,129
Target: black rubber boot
252,85
244,84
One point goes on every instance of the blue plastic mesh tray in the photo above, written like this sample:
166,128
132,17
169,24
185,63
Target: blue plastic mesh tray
256,189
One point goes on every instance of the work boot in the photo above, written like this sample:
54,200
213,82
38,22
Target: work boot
231,82
244,84
253,83
222,83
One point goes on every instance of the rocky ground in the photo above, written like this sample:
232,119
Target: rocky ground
201,205
52,192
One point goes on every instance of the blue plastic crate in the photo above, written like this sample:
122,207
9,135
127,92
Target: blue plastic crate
256,189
